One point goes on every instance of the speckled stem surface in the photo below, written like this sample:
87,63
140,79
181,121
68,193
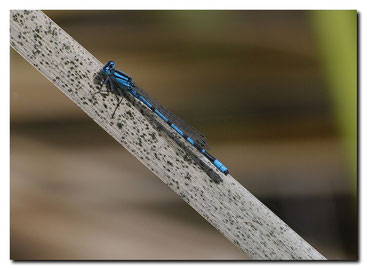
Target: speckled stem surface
227,205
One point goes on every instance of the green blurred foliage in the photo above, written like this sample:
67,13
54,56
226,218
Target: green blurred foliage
336,33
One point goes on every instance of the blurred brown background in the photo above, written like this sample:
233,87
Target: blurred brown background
273,91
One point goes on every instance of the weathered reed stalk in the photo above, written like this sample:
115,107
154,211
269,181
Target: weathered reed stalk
227,205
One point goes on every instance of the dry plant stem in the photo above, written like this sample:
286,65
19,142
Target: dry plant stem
227,205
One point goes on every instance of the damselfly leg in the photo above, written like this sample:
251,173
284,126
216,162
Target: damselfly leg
101,87
119,101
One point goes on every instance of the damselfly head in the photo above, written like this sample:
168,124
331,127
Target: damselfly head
108,67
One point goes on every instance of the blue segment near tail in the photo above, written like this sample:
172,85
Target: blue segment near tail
190,140
161,115
116,78
219,165
177,129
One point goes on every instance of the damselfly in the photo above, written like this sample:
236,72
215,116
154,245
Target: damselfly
117,82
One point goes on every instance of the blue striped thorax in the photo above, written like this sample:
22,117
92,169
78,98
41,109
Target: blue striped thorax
118,76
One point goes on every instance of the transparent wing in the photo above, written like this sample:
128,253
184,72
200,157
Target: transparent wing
199,138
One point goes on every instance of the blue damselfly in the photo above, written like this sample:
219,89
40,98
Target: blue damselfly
117,82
